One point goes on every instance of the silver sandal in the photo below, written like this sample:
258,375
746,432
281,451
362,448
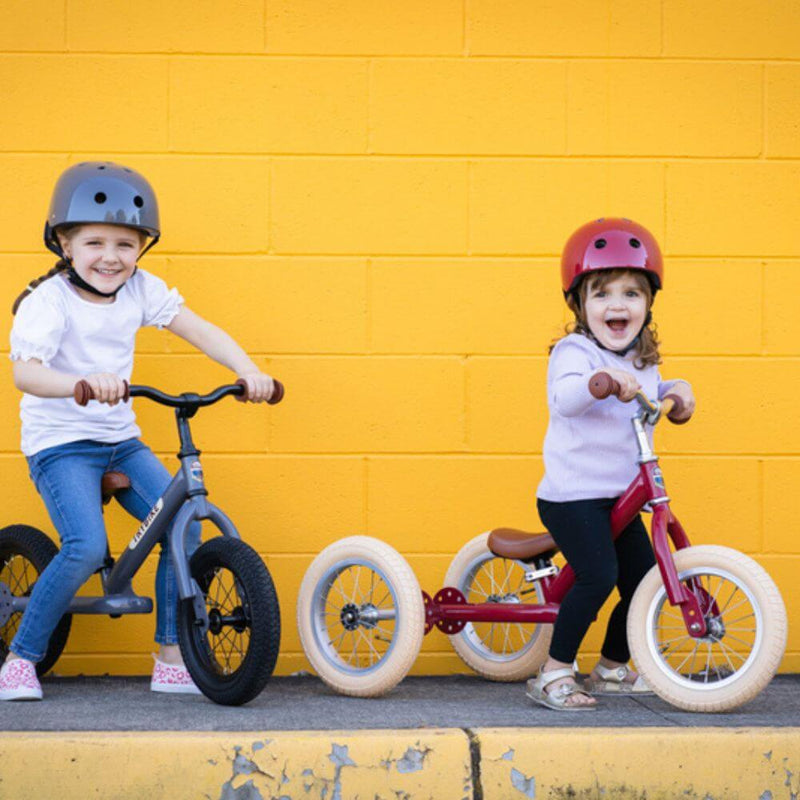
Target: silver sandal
613,682
557,699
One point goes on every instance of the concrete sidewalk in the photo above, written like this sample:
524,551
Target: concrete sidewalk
439,737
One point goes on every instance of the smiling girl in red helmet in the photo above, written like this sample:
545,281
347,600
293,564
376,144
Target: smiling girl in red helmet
611,270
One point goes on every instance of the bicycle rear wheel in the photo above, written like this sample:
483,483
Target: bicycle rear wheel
232,660
25,552
499,651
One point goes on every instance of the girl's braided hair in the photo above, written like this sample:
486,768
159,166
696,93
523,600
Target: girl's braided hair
61,265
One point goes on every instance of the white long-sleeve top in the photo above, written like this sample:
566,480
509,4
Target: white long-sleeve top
590,450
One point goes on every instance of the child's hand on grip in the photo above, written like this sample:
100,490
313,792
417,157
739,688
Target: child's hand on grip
260,387
107,388
684,391
628,385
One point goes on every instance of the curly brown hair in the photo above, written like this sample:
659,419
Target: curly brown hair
646,347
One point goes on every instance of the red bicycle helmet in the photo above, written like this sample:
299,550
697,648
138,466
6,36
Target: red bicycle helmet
609,243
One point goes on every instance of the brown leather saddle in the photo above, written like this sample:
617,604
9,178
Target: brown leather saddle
512,543
111,483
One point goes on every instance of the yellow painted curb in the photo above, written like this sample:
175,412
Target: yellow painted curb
651,763
510,764
246,766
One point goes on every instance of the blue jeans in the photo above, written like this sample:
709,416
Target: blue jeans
68,479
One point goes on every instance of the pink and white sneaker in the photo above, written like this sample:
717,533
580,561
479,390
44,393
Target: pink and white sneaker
172,679
18,681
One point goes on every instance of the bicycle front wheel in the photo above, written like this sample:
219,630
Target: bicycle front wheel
745,639
233,658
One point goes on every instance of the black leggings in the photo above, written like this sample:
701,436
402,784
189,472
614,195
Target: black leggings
582,530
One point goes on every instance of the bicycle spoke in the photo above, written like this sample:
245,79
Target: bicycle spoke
728,651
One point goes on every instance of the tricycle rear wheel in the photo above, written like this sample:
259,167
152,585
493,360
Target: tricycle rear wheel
361,616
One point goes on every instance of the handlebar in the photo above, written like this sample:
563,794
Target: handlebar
602,385
83,394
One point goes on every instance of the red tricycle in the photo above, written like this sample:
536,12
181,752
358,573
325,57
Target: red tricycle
706,626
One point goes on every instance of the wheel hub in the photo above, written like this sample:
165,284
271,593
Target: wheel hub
715,627
349,616
214,621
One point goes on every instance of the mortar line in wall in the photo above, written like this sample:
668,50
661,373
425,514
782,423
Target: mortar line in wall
468,206
664,193
589,159
370,112
454,56
167,125
368,289
764,111
351,355
460,455
270,207
464,28
475,257
365,482
761,506
763,332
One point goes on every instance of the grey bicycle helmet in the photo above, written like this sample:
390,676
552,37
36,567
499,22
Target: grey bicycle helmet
102,192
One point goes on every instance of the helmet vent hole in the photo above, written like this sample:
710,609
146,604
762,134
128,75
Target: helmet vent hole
635,243
101,167
100,198
138,202
600,244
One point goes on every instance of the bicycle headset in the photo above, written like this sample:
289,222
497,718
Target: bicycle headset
610,243
106,193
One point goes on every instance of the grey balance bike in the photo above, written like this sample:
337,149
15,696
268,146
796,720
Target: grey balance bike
228,614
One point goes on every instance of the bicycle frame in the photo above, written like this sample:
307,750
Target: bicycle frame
183,502
646,489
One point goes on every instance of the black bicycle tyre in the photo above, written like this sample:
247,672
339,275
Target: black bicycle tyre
260,606
39,550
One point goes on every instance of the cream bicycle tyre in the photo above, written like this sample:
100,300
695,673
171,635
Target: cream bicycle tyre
475,643
360,616
751,616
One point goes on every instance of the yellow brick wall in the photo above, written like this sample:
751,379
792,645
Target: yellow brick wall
371,197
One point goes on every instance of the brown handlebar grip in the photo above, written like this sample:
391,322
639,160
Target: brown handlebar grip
602,385
678,407
277,392
83,392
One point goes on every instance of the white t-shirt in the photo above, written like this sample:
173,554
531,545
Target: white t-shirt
590,450
69,334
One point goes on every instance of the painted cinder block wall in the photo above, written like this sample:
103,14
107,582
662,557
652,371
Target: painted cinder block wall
371,197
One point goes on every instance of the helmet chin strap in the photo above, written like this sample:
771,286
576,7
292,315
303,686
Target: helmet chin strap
76,280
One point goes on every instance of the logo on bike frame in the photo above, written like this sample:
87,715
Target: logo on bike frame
154,512
196,471
658,478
